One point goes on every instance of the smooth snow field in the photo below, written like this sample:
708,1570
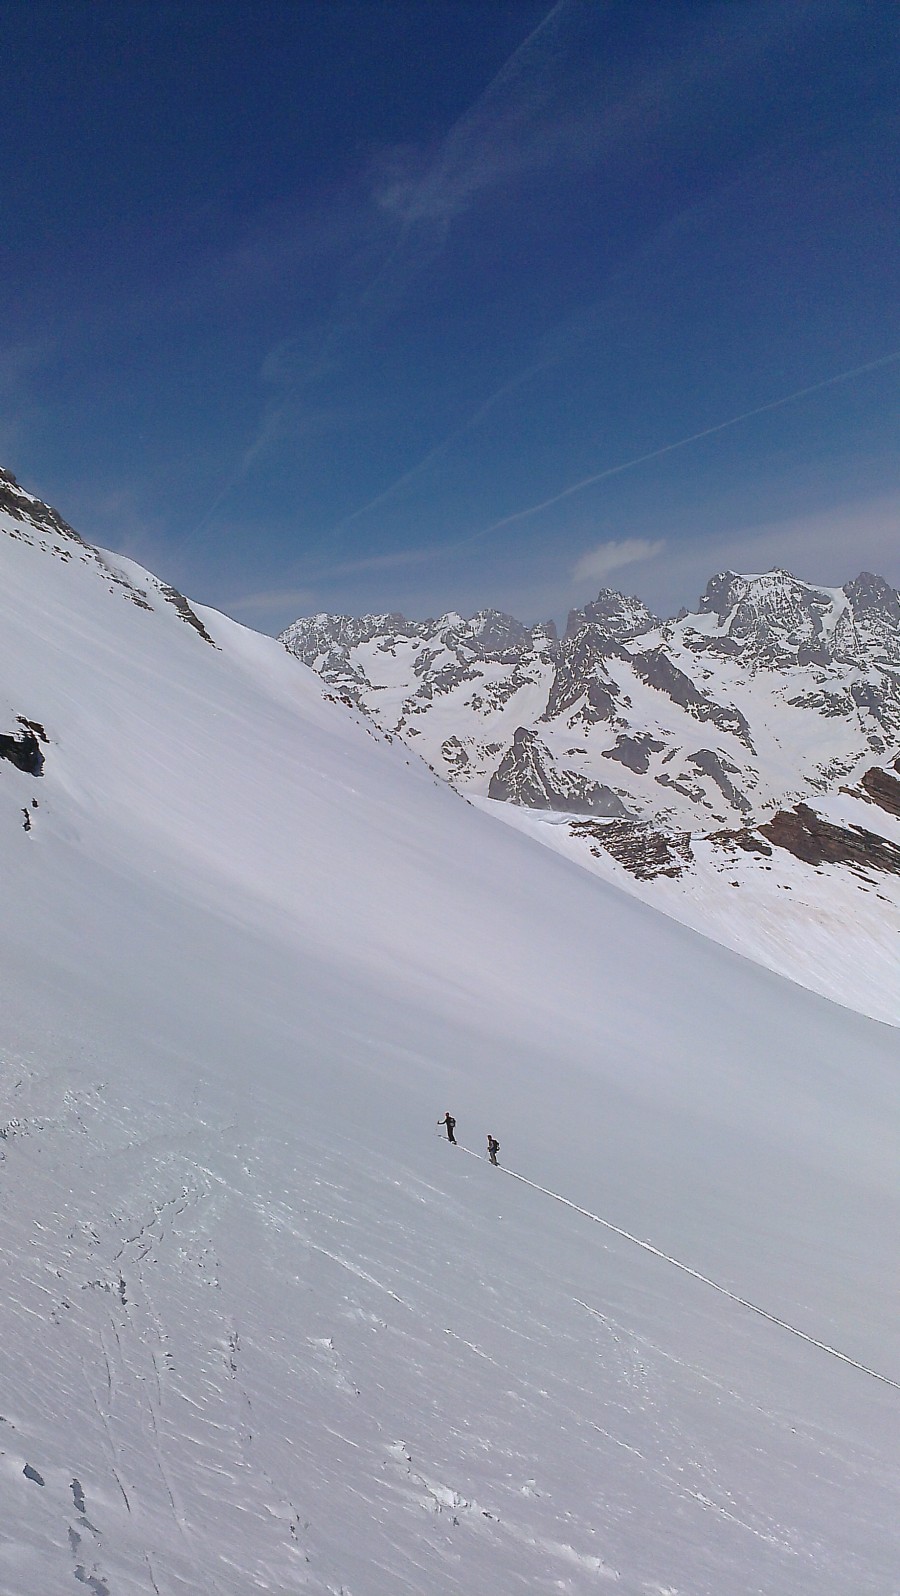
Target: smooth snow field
262,1328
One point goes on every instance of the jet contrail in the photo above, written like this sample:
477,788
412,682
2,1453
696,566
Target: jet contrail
682,443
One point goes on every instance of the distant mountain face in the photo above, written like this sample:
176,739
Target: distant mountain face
771,692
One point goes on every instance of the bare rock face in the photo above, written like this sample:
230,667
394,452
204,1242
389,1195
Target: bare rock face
23,749
646,853
189,616
26,509
745,839
771,618
526,775
883,788
614,616
720,769
876,614
582,678
816,841
635,752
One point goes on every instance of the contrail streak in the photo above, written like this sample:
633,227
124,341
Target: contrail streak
682,443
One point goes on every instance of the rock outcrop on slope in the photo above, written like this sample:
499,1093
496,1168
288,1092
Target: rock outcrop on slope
526,775
771,692
24,517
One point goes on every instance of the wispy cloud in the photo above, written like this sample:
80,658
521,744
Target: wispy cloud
378,562
504,132
546,110
600,562
498,134
415,472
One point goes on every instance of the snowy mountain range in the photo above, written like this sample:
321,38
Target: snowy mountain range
262,1328
772,691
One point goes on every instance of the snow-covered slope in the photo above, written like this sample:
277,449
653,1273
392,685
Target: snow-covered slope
672,743
262,1329
828,918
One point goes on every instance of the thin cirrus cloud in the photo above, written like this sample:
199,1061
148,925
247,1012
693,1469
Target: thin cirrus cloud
682,443
600,562
541,111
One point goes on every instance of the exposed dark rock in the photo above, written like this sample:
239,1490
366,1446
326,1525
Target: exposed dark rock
876,613
582,673
882,788
527,776
615,615
444,680
634,752
23,751
455,756
772,617
493,635
746,839
816,841
642,850
824,702
829,652
23,507
715,767
880,699
172,596
695,793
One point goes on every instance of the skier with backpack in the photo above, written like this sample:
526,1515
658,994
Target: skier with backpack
450,1124
493,1147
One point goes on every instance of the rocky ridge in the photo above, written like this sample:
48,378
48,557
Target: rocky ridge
29,519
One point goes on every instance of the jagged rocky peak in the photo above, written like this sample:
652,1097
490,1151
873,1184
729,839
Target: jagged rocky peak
315,637
492,634
795,686
876,614
774,616
616,615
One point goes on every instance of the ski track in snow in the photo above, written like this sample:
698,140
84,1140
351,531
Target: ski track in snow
217,1449
695,1274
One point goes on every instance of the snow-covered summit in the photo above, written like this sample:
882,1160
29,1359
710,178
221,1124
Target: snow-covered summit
775,621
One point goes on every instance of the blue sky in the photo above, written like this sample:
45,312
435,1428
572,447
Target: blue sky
401,306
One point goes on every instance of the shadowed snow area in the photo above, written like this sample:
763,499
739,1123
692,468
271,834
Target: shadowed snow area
262,1328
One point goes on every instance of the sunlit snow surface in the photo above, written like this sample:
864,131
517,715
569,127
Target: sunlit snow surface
262,1328
832,929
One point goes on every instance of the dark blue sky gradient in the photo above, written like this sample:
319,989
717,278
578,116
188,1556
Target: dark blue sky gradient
301,300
